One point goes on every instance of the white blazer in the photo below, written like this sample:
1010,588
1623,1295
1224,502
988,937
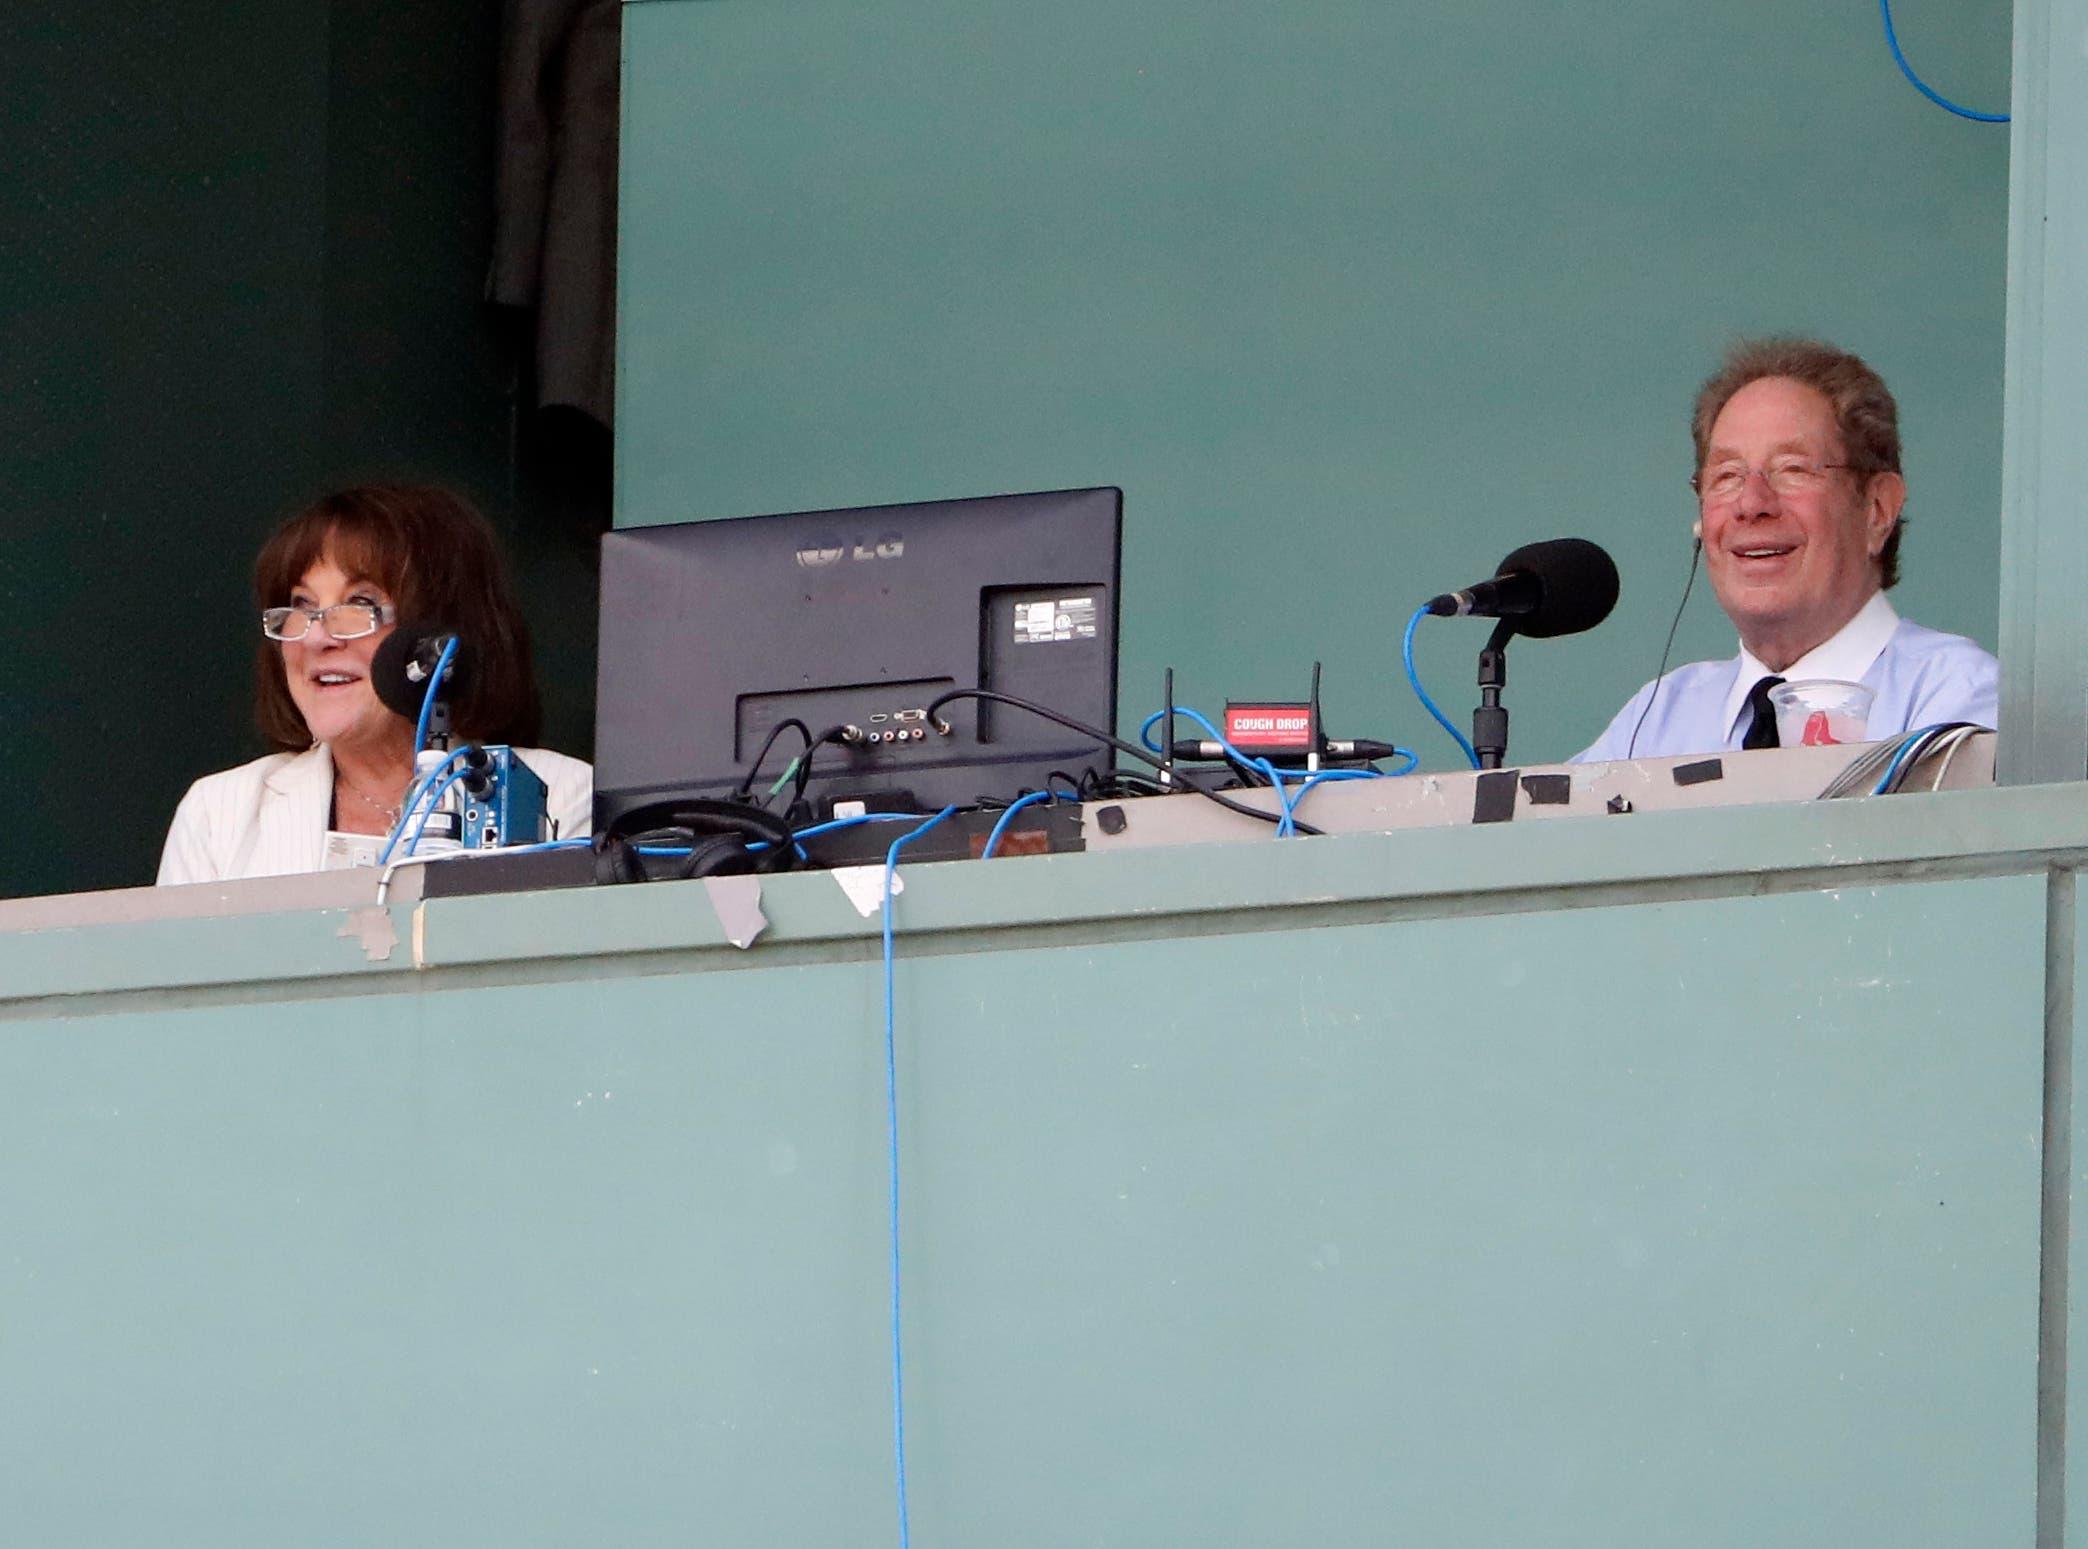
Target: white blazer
268,818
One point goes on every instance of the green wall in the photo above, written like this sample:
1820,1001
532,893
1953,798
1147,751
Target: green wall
1350,296
241,261
1371,1190
163,284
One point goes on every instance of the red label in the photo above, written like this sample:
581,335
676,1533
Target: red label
1817,733
1268,726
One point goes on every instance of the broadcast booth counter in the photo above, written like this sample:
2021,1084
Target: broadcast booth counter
1581,1155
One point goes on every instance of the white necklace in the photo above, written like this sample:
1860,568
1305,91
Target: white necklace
390,814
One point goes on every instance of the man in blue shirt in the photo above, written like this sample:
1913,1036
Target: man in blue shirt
1799,492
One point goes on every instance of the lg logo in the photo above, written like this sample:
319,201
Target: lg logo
817,556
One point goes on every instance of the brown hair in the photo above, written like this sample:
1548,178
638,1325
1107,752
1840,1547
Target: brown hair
1864,412
437,557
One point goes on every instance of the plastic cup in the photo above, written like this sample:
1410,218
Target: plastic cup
1816,711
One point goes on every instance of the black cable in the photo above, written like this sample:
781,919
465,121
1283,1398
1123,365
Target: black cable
804,769
746,785
1122,783
1143,755
1696,553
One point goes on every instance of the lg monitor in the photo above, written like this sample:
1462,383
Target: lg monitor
715,633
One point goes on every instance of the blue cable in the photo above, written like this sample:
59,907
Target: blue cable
758,844
892,1171
411,804
434,805
1320,777
420,741
1892,769
1261,766
828,827
656,849
857,821
1407,651
1145,731
1286,822
1145,735
1334,774
993,839
442,667
1941,101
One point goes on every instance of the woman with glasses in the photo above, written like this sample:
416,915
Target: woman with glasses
331,584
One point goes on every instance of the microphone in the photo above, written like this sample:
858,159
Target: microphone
1558,587
400,670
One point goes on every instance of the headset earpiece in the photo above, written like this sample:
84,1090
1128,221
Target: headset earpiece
616,861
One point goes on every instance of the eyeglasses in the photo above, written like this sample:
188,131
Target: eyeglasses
1785,475
343,621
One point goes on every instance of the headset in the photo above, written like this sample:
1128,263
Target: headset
1696,554
722,839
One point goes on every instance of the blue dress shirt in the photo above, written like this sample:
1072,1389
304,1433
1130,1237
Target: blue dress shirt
1920,677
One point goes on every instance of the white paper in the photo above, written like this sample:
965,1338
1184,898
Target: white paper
864,886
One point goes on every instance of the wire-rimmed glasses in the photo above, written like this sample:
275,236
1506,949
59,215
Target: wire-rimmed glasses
1724,482
343,621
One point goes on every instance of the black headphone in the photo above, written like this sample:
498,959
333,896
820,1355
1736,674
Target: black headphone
721,837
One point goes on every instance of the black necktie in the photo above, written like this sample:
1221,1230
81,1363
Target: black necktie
1761,731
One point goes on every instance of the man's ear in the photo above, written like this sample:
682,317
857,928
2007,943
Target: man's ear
1883,501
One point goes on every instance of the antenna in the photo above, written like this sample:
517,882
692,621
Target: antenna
1312,724
1167,730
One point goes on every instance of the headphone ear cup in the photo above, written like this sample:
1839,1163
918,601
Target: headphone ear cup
702,817
723,856
616,862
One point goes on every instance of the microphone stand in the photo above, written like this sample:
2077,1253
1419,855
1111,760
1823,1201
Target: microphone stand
1490,720
439,723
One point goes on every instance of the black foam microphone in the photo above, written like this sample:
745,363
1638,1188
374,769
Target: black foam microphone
400,670
1559,587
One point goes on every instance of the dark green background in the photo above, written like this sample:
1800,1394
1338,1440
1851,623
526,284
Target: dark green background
242,248
1351,297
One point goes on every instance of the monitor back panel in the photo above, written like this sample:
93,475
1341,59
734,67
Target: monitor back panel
715,632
